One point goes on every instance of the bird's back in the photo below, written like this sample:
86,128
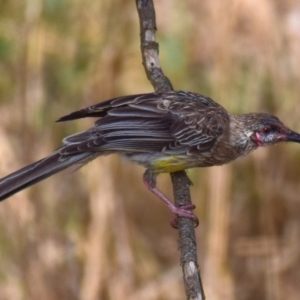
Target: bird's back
163,131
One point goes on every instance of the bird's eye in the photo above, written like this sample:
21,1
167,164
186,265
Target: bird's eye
266,130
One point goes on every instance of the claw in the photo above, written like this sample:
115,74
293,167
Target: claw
185,211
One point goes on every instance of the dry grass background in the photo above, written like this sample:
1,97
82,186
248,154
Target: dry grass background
98,233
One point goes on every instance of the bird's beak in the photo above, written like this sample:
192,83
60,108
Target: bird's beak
293,136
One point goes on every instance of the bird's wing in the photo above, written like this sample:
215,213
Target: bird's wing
131,123
200,123
171,122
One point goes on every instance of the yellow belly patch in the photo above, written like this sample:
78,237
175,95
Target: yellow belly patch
170,164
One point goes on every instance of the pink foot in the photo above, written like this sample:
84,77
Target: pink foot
185,212
182,211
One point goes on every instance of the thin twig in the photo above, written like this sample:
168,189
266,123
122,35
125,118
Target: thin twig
149,47
187,240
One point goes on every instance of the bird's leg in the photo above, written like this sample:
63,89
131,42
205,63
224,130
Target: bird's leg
182,211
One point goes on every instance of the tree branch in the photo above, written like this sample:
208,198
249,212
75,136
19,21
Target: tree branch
187,239
149,47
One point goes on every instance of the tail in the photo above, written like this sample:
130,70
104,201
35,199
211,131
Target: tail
38,171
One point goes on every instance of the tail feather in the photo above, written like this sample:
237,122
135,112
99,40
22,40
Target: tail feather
38,171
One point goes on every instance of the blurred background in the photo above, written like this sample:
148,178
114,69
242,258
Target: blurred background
98,233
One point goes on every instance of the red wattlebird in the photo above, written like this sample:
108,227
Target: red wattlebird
164,132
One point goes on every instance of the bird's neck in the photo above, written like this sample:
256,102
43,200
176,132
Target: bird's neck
240,134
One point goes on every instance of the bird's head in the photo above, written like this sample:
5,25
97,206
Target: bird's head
250,131
265,129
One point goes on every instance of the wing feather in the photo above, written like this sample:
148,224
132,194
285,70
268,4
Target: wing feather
172,122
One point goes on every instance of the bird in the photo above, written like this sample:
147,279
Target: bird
164,132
